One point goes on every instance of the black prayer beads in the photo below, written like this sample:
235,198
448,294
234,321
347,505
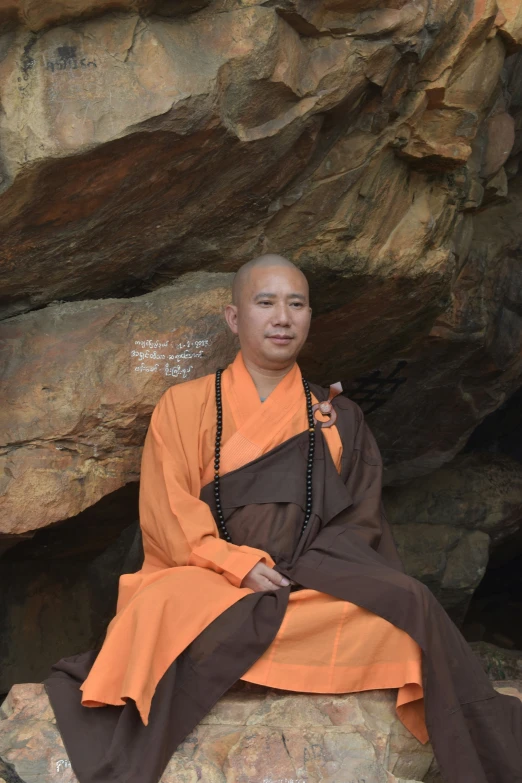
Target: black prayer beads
217,455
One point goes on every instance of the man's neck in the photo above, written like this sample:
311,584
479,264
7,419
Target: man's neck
266,380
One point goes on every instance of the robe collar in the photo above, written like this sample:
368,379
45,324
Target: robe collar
257,423
246,404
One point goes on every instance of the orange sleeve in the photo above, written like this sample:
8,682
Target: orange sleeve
178,528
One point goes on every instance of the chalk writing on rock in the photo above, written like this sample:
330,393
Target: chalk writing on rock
148,355
62,764
170,357
146,367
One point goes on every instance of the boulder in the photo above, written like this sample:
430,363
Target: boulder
80,382
477,491
445,523
253,734
450,561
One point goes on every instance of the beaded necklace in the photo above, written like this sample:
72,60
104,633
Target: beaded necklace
217,453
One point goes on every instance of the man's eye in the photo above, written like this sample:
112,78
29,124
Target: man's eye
265,302
297,304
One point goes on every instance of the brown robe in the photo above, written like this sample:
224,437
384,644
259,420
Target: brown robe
348,552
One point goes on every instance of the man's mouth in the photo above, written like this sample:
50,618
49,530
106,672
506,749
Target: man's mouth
280,339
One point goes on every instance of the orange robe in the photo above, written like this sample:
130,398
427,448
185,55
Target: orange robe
190,575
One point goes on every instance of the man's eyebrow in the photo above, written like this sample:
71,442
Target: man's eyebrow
267,295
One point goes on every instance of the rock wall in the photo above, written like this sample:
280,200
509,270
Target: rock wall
147,149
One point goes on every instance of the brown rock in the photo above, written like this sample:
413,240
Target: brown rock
378,239
500,140
277,140
497,187
83,379
471,360
38,14
510,23
257,733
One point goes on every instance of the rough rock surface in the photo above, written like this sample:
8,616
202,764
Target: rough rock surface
446,522
149,147
253,734
476,491
80,382
499,663
357,139
39,14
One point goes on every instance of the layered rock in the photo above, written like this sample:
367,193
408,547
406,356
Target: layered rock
149,147
357,143
470,362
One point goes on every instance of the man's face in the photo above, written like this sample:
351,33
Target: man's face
272,316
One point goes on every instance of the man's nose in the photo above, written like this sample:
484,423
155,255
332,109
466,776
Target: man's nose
282,315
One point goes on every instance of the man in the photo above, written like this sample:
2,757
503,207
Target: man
268,558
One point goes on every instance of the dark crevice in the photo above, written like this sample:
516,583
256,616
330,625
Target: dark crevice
58,589
501,431
8,773
495,611
84,536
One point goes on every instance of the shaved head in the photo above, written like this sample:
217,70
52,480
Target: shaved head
270,312
267,260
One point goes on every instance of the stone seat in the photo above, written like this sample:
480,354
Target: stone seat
252,735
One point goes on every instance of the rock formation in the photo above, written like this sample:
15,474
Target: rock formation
253,734
446,523
80,382
147,149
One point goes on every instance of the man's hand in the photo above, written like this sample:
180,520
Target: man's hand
262,577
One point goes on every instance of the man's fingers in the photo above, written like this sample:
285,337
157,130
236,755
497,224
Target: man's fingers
268,584
275,577
262,577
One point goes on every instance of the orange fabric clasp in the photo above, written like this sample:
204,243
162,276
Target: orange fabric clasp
326,408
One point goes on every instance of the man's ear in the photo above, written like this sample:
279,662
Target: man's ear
231,317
